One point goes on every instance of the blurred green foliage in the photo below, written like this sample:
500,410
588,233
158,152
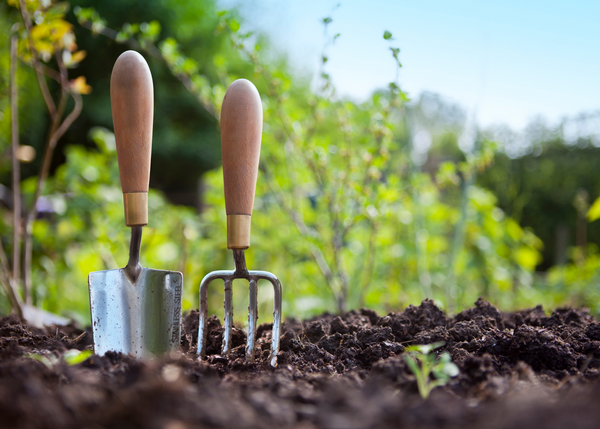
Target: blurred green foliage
352,207
186,136
539,191
86,231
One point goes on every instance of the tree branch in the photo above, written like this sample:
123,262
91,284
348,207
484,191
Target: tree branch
16,172
157,54
319,175
370,264
7,284
316,253
57,132
36,61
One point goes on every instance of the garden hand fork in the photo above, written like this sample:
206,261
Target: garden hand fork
241,129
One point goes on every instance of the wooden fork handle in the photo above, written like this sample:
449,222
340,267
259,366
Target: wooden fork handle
241,132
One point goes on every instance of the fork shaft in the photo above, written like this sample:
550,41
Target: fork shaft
239,263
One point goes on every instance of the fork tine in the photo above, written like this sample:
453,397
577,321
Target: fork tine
228,304
203,313
252,317
276,320
252,277
202,328
265,275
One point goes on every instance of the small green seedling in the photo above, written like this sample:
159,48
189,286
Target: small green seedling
423,363
71,357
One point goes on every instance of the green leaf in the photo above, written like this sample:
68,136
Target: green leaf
57,11
150,29
437,383
73,357
49,361
327,20
425,349
445,357
594,211
527,257
234,25
450,369
387,35
412,364
121,37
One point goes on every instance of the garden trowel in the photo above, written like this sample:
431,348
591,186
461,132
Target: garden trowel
135,310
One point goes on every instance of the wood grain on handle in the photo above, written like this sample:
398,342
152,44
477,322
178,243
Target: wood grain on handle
132,103
241,132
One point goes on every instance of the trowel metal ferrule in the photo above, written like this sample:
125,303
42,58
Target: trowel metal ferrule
240,272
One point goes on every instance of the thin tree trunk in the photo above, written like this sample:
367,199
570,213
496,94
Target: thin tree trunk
7,282
16,173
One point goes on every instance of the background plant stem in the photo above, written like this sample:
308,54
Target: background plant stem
16,172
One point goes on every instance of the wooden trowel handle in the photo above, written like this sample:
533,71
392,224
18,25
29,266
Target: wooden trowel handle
241,130
132,102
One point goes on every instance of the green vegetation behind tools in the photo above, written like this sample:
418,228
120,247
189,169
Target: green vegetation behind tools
357,204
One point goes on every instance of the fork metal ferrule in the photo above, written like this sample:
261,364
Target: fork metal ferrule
238,231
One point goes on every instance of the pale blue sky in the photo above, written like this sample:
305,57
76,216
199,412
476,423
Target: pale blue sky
512,59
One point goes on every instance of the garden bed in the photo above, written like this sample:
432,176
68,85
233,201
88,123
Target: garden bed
517,370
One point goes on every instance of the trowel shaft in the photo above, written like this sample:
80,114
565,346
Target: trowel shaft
134,268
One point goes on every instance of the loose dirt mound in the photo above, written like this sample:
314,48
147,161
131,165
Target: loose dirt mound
517,370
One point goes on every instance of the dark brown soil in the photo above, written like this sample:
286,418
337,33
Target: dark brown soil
517,370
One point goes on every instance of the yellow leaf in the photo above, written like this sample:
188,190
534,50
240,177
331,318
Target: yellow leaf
594,211
72,59
45,49
78,56
81,86
40,31
59,29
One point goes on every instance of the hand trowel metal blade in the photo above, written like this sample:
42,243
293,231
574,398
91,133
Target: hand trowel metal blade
141,319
